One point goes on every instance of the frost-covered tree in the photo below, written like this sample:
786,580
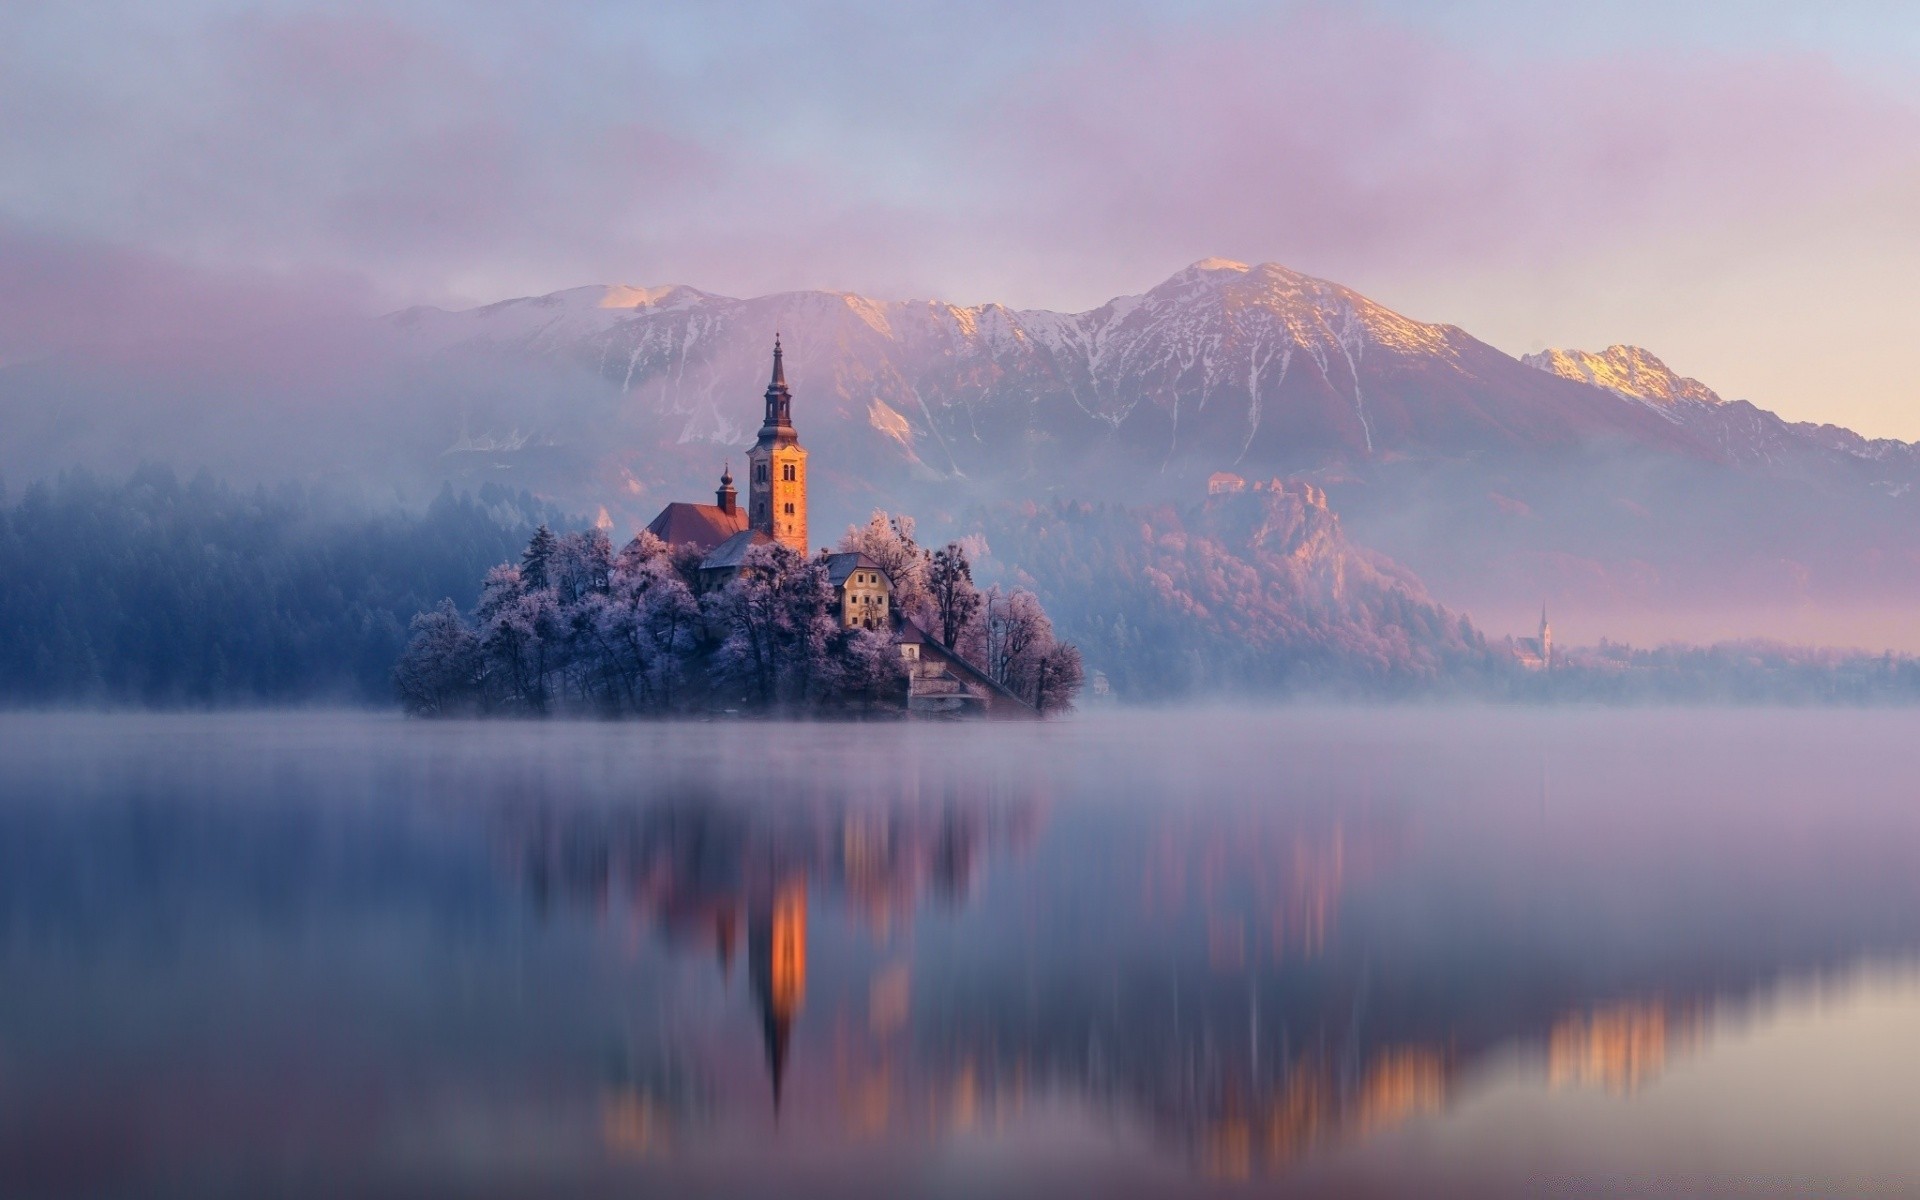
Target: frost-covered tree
777,626
954,598
888,540
871,669
439,674
1058,676
517,626
626,633
647,626
1020,652
580,564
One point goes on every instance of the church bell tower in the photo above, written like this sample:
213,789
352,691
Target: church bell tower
777,468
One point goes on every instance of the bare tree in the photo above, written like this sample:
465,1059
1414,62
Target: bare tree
1014,631
954,598
1058,675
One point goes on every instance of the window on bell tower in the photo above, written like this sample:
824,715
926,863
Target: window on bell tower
786,472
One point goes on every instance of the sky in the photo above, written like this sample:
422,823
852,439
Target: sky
1733,184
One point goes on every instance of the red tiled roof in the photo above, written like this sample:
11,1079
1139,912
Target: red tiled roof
702,525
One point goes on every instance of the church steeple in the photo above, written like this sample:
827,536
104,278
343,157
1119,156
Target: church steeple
779,423
725,495
777,466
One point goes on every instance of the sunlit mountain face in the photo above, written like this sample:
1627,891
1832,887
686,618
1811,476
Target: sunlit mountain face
1151,955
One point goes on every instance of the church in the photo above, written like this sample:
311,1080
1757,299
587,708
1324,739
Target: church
939,681
1535,653
776,512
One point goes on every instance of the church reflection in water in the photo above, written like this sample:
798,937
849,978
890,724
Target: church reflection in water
711,972
1185,976
705,875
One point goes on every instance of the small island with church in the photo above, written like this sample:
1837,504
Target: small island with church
716,609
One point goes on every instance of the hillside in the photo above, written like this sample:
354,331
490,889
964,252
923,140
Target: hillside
1259,591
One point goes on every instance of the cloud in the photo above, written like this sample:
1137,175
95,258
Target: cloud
125,307
1339,143
444,152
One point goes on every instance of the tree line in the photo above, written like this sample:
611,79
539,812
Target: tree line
152,591
574,626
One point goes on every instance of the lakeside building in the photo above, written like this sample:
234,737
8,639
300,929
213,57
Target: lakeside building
1535,653
939,681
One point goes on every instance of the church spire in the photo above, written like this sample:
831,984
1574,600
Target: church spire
778,426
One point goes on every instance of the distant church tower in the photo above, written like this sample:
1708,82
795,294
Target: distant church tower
777,476
1546,641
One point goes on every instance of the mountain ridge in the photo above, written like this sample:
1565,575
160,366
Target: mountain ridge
1221,361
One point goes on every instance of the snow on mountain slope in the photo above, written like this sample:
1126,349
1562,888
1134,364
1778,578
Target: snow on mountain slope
1222,366
1626,371
1737,430
552,321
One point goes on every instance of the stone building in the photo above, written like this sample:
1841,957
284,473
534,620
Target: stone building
776,496
941,683
939,680
862,592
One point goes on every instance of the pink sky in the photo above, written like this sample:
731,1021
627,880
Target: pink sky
1735,192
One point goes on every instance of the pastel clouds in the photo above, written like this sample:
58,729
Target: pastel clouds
1338,144
1052,156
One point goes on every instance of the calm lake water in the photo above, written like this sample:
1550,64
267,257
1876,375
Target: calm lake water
1294,952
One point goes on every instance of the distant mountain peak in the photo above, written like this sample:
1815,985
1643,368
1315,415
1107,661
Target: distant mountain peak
1626,371
1222,264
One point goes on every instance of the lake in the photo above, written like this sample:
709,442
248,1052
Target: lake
1434,952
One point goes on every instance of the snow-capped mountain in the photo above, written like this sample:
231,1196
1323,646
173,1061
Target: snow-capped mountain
1626,371
1736,430
1606,482
1221,367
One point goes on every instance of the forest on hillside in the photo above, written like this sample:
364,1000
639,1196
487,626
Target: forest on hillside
149,591
1254,593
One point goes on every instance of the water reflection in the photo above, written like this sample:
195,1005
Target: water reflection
1314,950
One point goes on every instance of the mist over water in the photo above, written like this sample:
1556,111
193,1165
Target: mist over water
1477,951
